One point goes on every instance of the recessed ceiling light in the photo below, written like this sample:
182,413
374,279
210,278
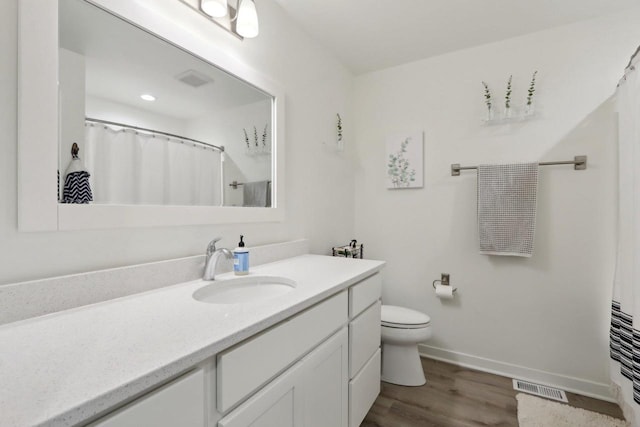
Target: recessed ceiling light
148,97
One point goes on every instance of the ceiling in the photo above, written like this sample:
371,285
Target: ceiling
368,35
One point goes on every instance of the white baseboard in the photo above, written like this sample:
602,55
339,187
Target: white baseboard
571,384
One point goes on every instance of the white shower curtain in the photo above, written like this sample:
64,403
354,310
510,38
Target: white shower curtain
625,317
129,167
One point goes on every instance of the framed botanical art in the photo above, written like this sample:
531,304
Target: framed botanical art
405,160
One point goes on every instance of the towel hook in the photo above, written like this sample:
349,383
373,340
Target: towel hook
75,150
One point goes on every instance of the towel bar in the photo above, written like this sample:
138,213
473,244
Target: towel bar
235,184
579,162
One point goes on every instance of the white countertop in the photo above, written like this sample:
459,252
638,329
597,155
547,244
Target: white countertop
63,368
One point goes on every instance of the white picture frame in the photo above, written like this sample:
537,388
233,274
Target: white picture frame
405,160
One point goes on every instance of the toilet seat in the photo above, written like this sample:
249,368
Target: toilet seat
403,318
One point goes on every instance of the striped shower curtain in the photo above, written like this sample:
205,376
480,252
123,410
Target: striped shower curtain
625,316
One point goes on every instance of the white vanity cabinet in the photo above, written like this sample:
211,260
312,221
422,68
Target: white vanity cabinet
364,347
319,368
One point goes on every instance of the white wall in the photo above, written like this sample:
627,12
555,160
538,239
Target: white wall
319,182
72,107
548,313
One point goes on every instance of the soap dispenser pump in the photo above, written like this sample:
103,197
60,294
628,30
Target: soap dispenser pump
241,259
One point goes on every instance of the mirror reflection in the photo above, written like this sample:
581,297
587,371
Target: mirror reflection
153,124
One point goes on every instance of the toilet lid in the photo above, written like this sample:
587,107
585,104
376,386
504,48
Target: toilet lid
402,317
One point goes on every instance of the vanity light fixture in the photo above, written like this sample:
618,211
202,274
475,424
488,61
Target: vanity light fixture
238,17
247,25
214,8
148,97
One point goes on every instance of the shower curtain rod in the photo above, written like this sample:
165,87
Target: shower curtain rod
579,162
633,57
629,68
157,132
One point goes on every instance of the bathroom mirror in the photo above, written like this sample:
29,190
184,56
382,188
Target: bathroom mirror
208,149
151,121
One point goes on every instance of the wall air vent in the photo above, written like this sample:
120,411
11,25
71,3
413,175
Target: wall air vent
540,390
194,78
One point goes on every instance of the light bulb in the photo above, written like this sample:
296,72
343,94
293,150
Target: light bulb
247,25
148,97
214,8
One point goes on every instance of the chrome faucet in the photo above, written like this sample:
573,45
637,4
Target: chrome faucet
213,255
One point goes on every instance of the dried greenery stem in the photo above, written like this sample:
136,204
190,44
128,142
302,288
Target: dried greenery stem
264,136
487,95
507,97
246,137
532,88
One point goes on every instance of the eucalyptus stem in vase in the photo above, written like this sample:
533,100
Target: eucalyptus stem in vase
507,99
255,136
488,100
530,92
339,142
246,138
264,138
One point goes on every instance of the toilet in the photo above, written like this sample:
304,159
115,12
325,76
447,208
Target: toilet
402,330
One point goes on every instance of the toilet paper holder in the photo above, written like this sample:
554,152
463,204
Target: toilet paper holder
444,280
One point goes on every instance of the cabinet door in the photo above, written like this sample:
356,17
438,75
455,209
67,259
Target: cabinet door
179,403
326,396
276,405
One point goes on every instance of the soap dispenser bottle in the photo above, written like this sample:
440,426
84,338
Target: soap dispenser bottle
241,259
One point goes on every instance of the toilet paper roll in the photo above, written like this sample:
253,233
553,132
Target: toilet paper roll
444,292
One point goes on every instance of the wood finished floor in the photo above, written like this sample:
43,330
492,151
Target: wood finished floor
459,397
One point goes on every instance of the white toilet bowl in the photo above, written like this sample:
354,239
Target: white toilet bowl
402,330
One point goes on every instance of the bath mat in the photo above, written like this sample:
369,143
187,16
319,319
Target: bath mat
537,412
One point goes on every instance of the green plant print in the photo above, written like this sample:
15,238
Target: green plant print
399,168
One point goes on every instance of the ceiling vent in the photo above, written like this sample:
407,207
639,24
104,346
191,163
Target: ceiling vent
194,78
540,390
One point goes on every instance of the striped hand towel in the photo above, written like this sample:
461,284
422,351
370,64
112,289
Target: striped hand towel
77,188
507,208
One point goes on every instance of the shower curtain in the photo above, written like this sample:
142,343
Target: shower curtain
129,167
625,307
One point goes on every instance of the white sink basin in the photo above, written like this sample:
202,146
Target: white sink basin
244,289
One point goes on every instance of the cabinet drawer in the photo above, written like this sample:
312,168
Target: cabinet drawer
179,403
247,366
363,390
364,338
364,293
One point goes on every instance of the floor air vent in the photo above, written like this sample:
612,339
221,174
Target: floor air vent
540,390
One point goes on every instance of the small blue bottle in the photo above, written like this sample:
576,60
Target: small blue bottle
241,259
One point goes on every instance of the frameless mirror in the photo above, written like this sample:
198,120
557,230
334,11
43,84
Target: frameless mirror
152,123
